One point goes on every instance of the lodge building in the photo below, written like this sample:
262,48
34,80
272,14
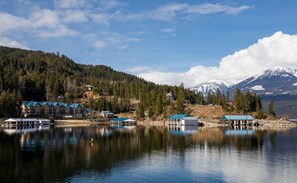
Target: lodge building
53,109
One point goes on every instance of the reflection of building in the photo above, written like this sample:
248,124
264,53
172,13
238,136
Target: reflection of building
183,120
53,109
244,132
182,130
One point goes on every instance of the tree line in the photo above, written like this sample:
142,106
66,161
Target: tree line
35,75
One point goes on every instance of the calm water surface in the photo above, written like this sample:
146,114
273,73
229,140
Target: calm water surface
139,154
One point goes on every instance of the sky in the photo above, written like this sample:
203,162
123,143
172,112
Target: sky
164,41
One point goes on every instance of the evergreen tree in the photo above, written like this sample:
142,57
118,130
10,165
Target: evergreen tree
237,100
270,109
180,100
140,111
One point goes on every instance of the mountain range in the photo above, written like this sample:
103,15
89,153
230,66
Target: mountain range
272,82
278,83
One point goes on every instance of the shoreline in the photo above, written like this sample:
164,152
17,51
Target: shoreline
209,123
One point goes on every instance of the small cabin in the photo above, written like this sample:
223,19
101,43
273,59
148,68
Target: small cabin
183,120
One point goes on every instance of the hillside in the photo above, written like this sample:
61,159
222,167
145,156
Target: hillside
40,76
206,111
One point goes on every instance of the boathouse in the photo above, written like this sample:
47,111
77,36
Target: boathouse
16,122
238,119
183,120
123,120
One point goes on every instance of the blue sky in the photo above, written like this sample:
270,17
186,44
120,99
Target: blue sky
161,41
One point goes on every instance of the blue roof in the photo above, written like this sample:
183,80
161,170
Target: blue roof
178,116
119,119
74,105
34,103
237,117
31,104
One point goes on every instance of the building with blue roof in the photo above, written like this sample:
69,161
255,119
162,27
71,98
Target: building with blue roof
182,120
123,120
238,119
53,109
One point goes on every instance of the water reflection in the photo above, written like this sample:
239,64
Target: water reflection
182,130
146,154
24,129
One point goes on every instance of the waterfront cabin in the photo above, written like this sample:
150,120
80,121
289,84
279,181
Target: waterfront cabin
238,119
183,120
123,120
20,122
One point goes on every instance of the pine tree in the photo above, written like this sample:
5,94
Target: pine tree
180,100
237,100
140,110
270,109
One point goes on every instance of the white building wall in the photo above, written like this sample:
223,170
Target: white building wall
189,121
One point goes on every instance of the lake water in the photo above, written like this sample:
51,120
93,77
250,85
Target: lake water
142,154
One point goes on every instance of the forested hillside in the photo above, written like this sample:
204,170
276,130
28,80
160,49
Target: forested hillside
36,75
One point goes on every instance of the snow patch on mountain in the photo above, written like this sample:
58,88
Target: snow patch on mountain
257,87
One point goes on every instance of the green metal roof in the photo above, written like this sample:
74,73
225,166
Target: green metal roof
237,117
178,116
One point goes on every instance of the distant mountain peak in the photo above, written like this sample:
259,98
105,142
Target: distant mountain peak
211,86
276,71
275,81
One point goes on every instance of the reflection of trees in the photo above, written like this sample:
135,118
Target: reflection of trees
59,153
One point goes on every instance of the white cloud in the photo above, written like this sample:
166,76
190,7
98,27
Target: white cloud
215,8
112,39
41,22
138,69
4,41
100,18
170,11
69,3
99,44
109,4
9,22
169,31
277,50
76,16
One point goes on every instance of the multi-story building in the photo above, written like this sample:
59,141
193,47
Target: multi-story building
53,109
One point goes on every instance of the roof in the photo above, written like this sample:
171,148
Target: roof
32,104
237,117
75,105
119,119
20,119
178,116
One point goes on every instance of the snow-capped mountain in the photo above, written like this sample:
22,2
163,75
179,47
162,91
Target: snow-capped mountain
275,81
212,87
